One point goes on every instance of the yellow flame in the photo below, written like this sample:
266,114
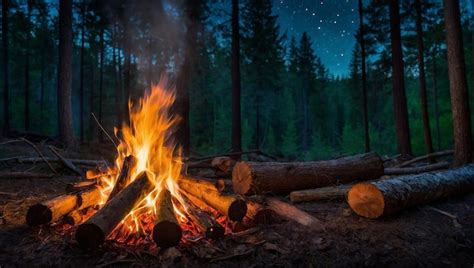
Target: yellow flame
148,138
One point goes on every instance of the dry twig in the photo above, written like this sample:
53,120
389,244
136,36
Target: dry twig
103,130
40,154
66,162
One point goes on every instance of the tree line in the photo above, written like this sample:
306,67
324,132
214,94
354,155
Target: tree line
242,83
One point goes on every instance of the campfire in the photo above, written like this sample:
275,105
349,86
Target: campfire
144,196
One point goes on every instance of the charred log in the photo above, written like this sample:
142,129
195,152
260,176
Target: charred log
128,168
166,232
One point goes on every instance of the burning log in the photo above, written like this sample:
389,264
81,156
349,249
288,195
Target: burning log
95,174
53,209
229,205
260,214
93,232
255,178
80,186
166,232
205,223
78,216
128,167
325,193
381,198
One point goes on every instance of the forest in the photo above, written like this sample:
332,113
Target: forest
230,133
291,106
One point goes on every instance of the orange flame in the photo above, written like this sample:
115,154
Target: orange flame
148,138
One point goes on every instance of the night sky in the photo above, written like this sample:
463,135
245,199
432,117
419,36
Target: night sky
331,25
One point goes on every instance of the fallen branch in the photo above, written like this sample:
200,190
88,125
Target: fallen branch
427,156
23,175
103,130
415,170
382,198
40,154
324,193
85,162
220,155
66,162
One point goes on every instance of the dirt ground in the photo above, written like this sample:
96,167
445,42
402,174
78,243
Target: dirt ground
439,234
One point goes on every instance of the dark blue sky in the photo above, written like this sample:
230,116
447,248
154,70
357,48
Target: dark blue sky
331,25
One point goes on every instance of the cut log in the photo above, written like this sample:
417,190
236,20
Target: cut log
325,193
95,174
203,221
229,205
53,209
260,214
78,216
189,181
382,198
277,177
23,175
166,232
80,186
93,232
416,170
427,156
128,168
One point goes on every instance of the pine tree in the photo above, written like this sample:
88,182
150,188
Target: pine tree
6,64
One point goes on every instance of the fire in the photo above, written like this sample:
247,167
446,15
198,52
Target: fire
148,138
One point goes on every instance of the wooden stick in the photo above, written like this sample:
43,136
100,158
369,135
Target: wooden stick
381,198
427,156
93,232
23,175
205,223
416,170
229,205
128,168
325,193
96,174
79,186
53,209
283,177
226,154
85,162
40,154
78,216
66,162
103,130
166,232
292,213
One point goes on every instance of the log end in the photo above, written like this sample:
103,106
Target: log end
237,210
89,236
215,232
366,200
242,178
38,214
167,234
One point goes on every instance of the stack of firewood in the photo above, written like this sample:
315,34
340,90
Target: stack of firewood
203,199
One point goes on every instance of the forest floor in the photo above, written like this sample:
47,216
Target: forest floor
441,234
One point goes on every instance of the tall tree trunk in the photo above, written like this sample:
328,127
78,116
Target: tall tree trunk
101,79
236,116
42,67
422,77
364,77
435,99
458,84
6,76
66,131
116,78
81,78
27,67
92,125
399,98
127,76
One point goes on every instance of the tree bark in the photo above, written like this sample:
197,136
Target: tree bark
94,231
458,84
416,170
364,78
203,221
53,209
422,78
229,205
435,100
27,67
399,98
117,91
66,131
382,198
280,178
236,116
128,168
81,70
166,232
6,75
101,79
